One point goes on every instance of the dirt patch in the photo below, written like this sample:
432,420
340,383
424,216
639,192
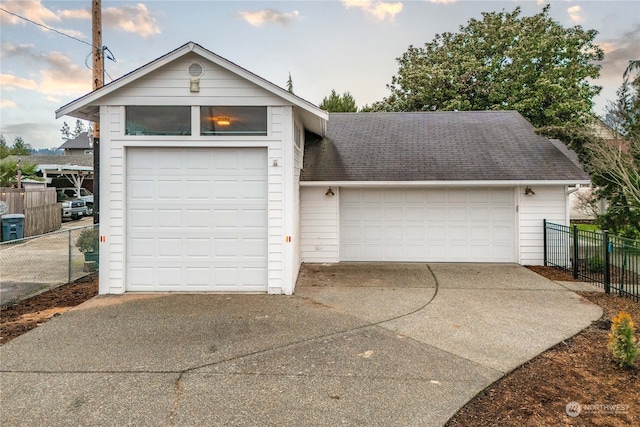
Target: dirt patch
577,370
25,315
552,273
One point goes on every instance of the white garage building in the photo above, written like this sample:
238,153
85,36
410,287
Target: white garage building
214,179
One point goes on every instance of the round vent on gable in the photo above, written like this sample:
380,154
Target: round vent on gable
196,70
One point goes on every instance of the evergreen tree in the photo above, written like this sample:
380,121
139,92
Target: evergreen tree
66,132
20,148
290,85
4,149
335,103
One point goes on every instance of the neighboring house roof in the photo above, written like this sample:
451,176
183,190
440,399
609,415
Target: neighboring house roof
77,160
80,142
87,106
436,147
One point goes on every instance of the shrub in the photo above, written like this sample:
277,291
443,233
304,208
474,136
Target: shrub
596,264
623,344
88,240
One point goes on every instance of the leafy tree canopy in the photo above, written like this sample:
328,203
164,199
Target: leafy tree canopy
336,103
504,61
613,162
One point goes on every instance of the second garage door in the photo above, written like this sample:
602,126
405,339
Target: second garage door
420,225
196,219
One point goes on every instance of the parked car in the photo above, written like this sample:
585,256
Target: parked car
84,194
74,209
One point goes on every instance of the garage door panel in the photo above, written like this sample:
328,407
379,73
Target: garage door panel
394,233
196,248
169,276
196,189
197,220
436,196
458,234
169,248
458,196
479,196
437,225
415,233
436,214
457,214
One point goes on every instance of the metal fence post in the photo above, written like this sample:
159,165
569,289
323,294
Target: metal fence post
544,240
607,263
69,261
575,251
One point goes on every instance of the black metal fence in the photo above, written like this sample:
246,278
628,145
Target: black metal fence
593,256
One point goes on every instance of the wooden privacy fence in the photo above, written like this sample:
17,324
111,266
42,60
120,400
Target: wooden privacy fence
42,212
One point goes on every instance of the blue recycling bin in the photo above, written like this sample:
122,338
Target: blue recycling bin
12,227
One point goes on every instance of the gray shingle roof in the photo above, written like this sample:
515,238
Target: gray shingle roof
79,142
435,146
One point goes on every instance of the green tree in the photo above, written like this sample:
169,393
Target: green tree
613,163
504,61
336,103
4,149
9,172
290,85
66,132
20,148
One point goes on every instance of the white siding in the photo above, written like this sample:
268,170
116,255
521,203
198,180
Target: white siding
298,146
319,224
548,203
170,86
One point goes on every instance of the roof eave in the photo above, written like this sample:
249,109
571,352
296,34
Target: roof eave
86,106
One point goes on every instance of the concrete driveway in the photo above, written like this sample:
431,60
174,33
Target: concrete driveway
359,344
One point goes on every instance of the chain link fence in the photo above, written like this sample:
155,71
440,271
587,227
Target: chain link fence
36,264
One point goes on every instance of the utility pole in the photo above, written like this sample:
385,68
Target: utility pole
98,82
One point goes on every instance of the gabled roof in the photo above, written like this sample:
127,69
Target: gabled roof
436,147
79,142
87,106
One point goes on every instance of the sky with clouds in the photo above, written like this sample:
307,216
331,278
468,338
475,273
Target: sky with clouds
346,45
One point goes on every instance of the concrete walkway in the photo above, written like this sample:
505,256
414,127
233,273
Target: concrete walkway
359,344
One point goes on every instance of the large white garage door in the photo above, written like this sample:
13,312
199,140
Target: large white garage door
196,219
436,225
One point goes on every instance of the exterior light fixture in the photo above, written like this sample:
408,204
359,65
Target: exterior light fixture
329,192
195,85
223,121
529,192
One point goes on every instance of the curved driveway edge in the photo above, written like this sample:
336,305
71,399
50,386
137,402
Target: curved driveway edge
359,344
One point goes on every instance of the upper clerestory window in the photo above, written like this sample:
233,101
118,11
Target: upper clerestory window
233,121
158,120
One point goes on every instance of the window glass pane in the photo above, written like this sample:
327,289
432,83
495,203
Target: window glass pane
161,120
233,120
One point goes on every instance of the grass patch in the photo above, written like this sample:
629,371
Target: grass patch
587,227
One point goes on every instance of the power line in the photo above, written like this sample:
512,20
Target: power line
48,28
